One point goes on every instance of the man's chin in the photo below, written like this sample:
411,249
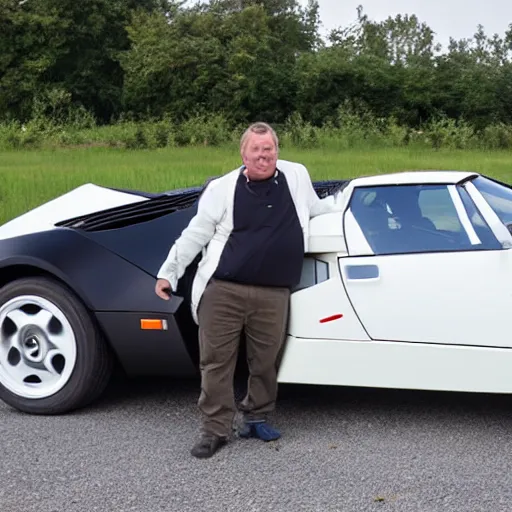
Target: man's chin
262,173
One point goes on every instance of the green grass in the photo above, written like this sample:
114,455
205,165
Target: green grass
29,178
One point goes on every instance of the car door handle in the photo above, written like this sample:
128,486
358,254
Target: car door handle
359,272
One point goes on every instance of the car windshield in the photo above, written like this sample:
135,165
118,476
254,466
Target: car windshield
498,196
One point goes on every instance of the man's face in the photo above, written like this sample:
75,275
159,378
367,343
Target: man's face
260,156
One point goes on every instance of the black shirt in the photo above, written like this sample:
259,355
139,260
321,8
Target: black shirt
266,246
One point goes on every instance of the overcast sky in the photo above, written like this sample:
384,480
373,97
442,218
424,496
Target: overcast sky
447,18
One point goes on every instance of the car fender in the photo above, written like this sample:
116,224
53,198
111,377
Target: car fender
102,279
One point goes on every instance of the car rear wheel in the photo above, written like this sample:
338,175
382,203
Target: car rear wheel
52,356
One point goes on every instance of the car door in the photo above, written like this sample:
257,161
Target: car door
425,266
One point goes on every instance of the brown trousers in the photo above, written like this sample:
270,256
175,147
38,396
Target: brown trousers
224,311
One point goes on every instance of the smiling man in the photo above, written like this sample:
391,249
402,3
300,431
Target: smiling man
252,226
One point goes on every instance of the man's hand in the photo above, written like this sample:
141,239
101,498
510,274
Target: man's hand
163,289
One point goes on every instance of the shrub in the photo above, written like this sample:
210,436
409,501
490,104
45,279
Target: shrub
445,132
205,130
300,133
497,136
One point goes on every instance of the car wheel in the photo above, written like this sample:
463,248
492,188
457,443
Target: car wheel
52,356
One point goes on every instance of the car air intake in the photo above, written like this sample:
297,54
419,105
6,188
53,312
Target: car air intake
160,205
128,215
330,187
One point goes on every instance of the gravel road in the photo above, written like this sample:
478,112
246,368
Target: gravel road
341,450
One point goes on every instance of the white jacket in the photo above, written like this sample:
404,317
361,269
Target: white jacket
209,229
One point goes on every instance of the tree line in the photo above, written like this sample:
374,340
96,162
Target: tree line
242,60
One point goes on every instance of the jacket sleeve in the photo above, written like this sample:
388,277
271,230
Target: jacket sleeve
194,237
316,205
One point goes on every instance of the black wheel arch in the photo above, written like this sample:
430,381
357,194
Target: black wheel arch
116,292
33,268
12,270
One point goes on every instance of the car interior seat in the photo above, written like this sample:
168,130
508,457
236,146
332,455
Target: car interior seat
373,220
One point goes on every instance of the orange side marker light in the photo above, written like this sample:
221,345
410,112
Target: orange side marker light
153,324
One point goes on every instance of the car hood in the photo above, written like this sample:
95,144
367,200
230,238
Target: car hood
88,198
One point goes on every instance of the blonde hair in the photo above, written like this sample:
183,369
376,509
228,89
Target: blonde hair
260,129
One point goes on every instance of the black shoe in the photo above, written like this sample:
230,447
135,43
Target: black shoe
207,446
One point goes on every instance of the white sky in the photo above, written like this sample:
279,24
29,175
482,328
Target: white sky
447,18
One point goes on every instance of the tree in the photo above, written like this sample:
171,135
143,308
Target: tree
67,46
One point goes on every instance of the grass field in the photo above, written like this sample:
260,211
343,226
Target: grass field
29,178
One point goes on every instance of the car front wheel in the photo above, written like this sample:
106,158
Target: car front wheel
52,356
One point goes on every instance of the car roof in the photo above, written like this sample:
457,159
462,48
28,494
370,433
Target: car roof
413,178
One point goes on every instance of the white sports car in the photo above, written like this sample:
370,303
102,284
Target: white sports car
409,286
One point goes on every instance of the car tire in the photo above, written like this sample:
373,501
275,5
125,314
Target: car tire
53,358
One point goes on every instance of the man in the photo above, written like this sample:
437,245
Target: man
252,226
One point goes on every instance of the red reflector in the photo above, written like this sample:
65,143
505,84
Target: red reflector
331,318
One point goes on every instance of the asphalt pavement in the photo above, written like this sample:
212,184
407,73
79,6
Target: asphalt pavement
342,450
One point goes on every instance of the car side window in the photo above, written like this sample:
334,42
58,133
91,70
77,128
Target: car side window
401,219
